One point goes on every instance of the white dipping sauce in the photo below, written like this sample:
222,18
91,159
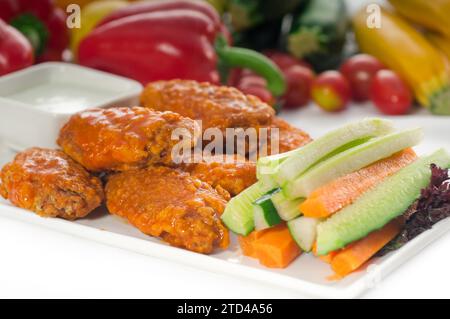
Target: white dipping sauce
61,97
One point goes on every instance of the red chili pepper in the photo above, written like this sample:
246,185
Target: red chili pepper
15,51
41,22
162,40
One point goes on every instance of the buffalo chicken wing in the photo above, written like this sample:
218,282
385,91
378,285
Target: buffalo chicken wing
119,139
170,204
216,106
51,184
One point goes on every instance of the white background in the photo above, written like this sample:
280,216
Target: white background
40,263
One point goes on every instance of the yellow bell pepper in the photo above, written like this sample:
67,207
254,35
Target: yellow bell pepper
92,14
64,3
82,3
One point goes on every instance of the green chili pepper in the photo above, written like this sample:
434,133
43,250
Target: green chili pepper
239,57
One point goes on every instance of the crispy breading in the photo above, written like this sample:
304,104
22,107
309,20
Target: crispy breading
119,139
170,204
51,184
216,106
231,172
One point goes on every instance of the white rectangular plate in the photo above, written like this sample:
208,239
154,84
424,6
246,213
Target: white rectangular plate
307,274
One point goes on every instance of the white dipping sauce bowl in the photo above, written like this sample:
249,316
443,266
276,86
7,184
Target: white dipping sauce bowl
36,102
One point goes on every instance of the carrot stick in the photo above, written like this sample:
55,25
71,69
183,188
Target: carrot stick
356,254
325,258
273,247
343,191
247,243
276,248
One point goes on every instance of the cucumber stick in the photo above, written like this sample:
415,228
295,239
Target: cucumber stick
288,166
304,231
268,181
272,208
268,165
374,209
351,160
238,214
287,209
265,214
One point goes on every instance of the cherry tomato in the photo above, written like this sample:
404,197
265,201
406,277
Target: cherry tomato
331,91
390,93
359,71
299,82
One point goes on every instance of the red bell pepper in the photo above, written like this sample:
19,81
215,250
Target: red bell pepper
153,6
41,22
163,40
15,51
146,7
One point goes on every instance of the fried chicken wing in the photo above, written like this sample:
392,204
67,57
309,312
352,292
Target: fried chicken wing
223,107
231,172
119,139
51,184
170,204
216,106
